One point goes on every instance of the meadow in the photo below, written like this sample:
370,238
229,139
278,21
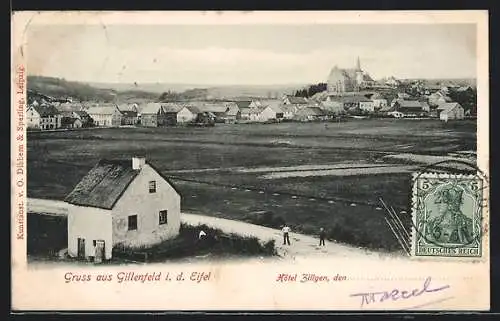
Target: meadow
231,171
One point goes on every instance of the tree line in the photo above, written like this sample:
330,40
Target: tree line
311,90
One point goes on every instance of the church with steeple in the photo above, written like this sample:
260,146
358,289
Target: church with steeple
348,80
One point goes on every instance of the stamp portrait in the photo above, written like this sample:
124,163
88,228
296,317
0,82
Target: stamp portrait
447,215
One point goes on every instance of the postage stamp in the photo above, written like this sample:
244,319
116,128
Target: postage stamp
447,215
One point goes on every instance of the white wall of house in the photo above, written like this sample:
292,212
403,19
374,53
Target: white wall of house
366,106
379,103
288,114
33,118
91,224
137,200
267,114
333,106
185,116
102,119
455,113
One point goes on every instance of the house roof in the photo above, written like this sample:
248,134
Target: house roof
386,108
409,103
243,103
448,106
127,107
46,111
129,113
171,107
287,108
232,109
102,109
311,111
354,99
213,107
81,113
297,100
193,109
249,111
105,183
275,105
151,108
377,96
70,106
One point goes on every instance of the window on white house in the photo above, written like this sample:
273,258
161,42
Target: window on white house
152,186
132,222
163,217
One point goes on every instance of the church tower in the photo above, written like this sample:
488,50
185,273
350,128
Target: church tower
358,65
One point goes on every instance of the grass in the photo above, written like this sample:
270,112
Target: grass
58,160
216,244
47,235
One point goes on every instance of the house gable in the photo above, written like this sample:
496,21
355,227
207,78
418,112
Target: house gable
146,204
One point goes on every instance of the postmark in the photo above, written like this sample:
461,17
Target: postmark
447,215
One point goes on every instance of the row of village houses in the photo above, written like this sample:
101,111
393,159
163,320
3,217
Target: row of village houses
322,106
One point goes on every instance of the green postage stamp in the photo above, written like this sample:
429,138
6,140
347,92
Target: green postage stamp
447,215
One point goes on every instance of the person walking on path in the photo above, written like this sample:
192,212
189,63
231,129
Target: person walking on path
286,237
322,235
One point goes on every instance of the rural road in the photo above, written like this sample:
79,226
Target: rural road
302,246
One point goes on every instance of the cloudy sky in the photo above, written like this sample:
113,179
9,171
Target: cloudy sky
246,54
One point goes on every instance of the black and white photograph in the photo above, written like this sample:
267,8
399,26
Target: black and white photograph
165,144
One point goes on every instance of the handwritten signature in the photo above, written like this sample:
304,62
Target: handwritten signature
397,294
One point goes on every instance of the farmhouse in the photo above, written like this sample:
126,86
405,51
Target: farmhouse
129,114
217,111
438,98
153,115
71,122
288,111
125,203
107,115
450,111
332,107
271,111
292,100
410,108
233,113
379,102
310,114
84,117
43,117
187,114
129,117
243,103
250,114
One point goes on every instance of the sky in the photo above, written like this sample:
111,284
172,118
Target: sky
248,54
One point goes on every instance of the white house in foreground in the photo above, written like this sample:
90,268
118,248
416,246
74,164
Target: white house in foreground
121,202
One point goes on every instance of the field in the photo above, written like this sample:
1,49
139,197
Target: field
309,175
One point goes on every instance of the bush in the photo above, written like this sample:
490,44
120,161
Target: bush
216,243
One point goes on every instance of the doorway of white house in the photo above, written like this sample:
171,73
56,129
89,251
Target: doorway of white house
99,251
81,248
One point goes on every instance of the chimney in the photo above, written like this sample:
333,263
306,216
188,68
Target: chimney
138,162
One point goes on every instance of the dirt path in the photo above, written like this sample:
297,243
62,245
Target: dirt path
301,245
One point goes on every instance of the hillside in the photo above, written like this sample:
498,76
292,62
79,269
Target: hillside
211,92
62,89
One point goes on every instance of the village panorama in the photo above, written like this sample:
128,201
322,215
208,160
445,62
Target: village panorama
130,175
